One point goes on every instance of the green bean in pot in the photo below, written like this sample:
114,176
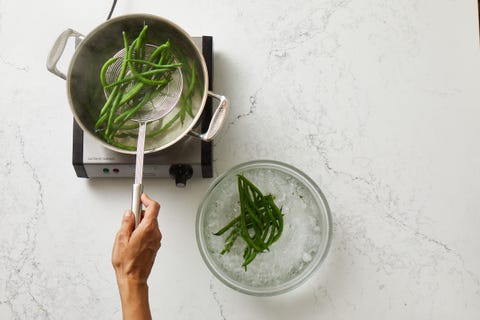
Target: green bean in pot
145,71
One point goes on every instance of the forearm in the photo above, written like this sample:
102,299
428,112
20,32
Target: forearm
133,255
134,298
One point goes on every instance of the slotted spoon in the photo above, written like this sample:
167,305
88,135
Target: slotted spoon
156,108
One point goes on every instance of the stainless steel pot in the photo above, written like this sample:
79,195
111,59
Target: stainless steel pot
85,92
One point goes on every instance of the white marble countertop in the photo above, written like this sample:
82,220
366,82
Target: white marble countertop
377,101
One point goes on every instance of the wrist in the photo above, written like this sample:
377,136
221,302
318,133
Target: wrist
134,298
131,283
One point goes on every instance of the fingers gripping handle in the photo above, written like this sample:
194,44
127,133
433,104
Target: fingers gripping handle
136,202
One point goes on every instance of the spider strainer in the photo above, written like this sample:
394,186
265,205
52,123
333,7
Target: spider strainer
161,103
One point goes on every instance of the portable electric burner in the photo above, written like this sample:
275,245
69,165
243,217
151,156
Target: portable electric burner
188,158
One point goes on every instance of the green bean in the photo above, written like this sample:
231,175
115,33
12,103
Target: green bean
140,45
101,120
159,50
133,78
138,74
121,145
165,127
245,234
145,80
279,217
269,211
230,240
259,223
192,81
110,114
126,115
148,74
274,226
249,258
227,226
157,65
186,99
123,69
113,95
251,185
269,230
103,71
130,113
106,107
131,93
271,236
244,197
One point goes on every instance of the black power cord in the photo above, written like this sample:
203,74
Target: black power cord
111,10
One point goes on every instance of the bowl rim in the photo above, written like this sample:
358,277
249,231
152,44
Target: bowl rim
292,283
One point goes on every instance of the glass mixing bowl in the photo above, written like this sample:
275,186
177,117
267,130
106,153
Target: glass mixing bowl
299,251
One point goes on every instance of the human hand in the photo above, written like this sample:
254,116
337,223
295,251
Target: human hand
133,255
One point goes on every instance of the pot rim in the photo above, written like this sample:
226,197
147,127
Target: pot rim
107,23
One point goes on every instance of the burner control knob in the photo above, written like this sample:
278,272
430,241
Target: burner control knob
181,173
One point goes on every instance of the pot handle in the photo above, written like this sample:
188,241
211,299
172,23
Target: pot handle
57,51
218,119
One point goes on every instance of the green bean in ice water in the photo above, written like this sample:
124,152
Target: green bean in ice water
259,224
